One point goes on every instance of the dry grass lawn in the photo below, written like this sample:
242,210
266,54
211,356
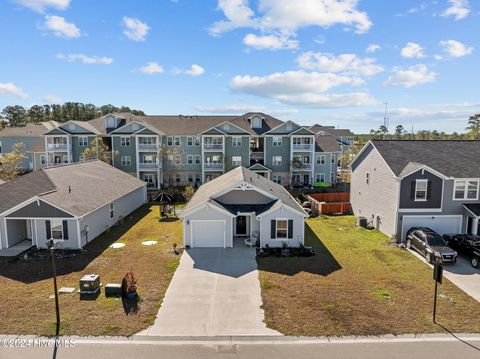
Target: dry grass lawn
358,284
26,286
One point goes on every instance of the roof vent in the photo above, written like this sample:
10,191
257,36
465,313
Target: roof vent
69,189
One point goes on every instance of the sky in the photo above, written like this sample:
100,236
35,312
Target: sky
332,62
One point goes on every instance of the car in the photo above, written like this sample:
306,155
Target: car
466,244
431,245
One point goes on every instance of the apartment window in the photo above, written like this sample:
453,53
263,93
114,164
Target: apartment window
466,190
178,178
178,160
190,159
333,159
177,141
125,141
149,179
321,159
236,160
170,141
276,141
43,159
282,228
190,178
147,140
197,159
197,178
170,159
421,187
367,177
277,160
83,141
236,141
56,229
111,210
197,141
277,179
150,159
126,160
297,141
319,177
189,141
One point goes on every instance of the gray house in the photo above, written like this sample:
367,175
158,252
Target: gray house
398,185
239,204
71,203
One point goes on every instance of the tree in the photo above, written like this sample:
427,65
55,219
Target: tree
11,162
36,114
15,115
474,126
399,131
98,150
188,193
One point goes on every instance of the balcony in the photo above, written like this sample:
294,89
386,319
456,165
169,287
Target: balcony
59,147
213,166
301,166
147,166
147,147
257,155
302,147
213,147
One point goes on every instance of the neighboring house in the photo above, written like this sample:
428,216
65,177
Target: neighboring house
182,150
72,203
397,185
344,136
30,135
237,204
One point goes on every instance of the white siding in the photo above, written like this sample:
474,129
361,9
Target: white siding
71,243
298,229
208,213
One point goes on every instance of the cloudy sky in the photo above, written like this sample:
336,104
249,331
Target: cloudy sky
333,62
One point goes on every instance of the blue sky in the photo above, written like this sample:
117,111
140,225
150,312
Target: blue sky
334,62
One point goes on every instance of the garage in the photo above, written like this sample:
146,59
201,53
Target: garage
208,233
440,224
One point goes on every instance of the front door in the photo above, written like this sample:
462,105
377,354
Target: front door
241,226
306,180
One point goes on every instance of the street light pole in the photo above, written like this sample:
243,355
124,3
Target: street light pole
51,246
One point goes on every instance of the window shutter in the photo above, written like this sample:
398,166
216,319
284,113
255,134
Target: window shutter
429,187
48,229
290,228
65,229
412,190
273,233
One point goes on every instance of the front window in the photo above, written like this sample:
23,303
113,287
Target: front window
148,159
197,159
190,159
197,178
236,160
197,141
126,160
277,160
237,142
320,177
421,187
178,178
125,141
170,141
277,141
282,228
57,229
189,141
83,141
466,190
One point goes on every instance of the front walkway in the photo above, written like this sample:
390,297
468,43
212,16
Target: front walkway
214,292
16,249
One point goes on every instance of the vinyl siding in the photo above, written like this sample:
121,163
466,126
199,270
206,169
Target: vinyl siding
124,151
283,150
243,151
265,229
434,191
7,146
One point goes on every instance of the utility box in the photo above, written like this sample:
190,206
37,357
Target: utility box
113,290
90,284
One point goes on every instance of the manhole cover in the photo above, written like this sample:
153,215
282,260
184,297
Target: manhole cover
117,245
149,243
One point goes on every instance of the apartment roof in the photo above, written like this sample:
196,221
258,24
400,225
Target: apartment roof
233,178
326,143
452,158
38,146
78,188
30,130
331,130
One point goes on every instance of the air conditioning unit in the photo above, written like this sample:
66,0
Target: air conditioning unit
90,284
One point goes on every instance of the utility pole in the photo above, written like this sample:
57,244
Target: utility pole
385,121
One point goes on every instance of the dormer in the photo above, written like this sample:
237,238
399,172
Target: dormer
256,121
112,121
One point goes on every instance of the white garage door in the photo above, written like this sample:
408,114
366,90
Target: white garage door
208,234
440,224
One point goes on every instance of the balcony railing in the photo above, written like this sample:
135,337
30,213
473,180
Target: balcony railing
58,147
302,147
301,166
257,155
147,166
213,166
213,147
148,146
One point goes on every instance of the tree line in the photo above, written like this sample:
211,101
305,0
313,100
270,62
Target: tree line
17,116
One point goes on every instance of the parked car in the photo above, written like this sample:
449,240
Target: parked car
431,245
466,244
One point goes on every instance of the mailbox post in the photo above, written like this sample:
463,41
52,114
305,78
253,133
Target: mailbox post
437,277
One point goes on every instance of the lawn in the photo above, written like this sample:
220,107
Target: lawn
358,284
27,285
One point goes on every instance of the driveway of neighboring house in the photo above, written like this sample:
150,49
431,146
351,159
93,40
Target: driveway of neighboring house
214,292
462,274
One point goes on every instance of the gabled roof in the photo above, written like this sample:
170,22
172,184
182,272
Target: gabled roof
77,188
339,132
259,167
30,130
85,125
452,158
326,143
38,146
240,175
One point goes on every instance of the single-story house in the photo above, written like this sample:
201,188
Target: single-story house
71,203
239,204
398,185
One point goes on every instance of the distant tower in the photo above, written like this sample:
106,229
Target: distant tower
385,121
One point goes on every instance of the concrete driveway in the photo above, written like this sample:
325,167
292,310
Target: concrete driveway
462,274
214,292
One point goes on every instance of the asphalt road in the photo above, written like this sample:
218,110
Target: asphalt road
433,348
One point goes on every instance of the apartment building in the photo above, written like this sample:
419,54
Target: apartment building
181,150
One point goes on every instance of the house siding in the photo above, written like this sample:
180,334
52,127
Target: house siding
9,142
283,150
208,213
125,151
434,192
265,229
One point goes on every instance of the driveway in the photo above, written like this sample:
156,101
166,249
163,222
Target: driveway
462,274
214,292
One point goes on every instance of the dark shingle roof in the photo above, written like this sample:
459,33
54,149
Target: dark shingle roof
473,207
452,158
326,143
30,130
332,130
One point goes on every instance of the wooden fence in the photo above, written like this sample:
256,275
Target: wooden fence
330,203
331,197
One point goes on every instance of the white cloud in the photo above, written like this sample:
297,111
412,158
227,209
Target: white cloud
10,89
60,27
284,112
134,29
411,76
372,48
412,50
345,63
52,99
287,16
151,68
270,42
89,60
315,100
42,5
195,70
231,108
455,48
459,9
